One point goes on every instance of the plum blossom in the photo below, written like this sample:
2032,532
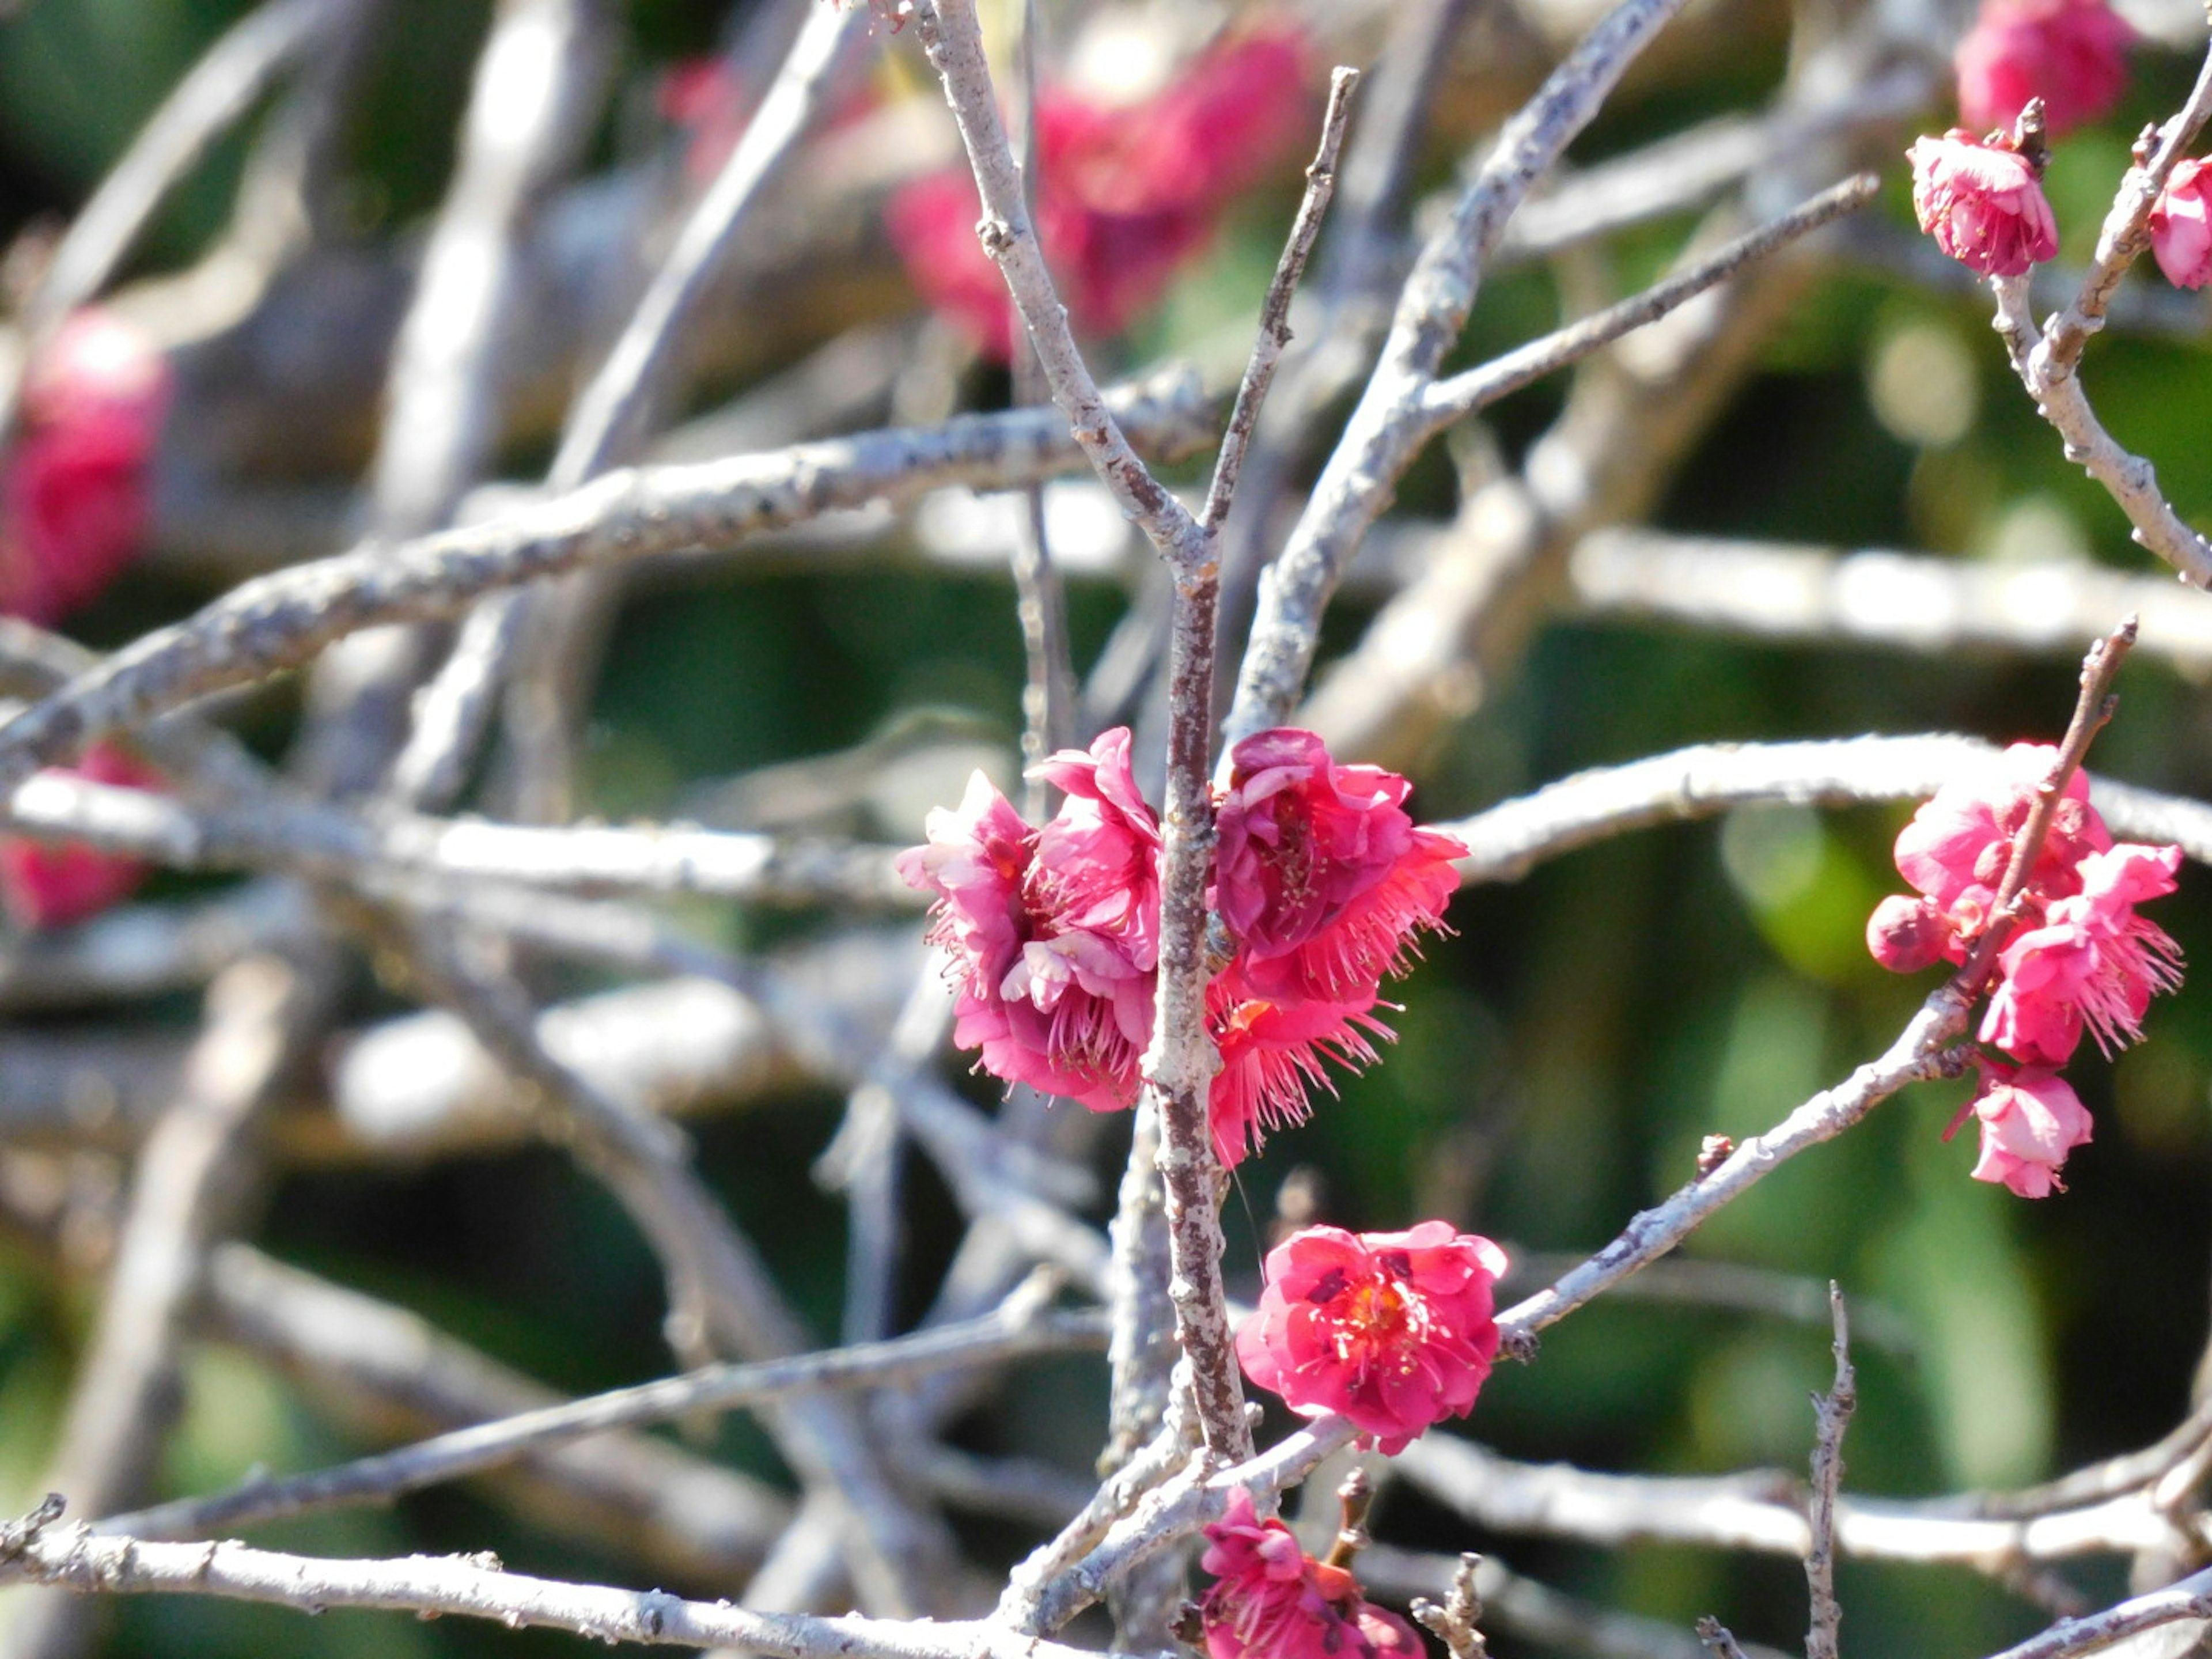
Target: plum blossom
2030,1120
1053,933
2094,962
1982,203
2071,53
54,884
1270,1600
1955,851
1320,877
1126,195
1392,1330
73,488
2181,228
1272,1052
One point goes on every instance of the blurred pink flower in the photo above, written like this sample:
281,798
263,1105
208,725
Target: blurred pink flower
2094,961
2180,227
1272,1053
53,883
1392,1330
1125,195
2071,53
73,495
1052,932
1320,875
1981,203
2030,1120
1270,1600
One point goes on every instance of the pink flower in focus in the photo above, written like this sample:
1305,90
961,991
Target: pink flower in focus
74,491
1126,196
1320,875
1981,203
2030,1120
1392,1330
2071,53
1272,1053
1053,933
1955,851
1271,1600
2092,962
2180,228
53,883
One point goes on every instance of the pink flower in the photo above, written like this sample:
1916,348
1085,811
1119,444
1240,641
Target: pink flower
1272,1052
1271,1600
1392,1330
2071,53
1053,933
2180,229
1320,875
2030,1120
73,493
1125,196
1982,204
1957,847
53,883
2092,962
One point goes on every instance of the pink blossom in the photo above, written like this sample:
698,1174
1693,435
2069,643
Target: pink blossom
53,883
1320,875
2180,229
1272,1053
1053,933
1981,203
1126,196
1957,847
2092,963
1392,1330
73,492
2071,53
1270,1600
1907,934
2030,1120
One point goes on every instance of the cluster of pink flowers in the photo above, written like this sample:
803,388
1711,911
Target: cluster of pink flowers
1982,199
1270,1600
73,501
1393,1330
1125,196
1320,877
2081,959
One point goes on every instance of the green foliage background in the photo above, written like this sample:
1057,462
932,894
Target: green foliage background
1559,1059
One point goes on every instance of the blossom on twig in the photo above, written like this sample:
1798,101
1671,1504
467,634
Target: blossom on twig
2030,1120
1391,1330
1270,1600
2071,53
1053,933
2081,959
1982,203
2180,225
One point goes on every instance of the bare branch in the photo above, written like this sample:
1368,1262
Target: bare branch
1835,1409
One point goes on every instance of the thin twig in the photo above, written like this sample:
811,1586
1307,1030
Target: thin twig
1835,1409
1453,399
1275,310
1454,1622
477,1587
1718,1638
1022,1328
